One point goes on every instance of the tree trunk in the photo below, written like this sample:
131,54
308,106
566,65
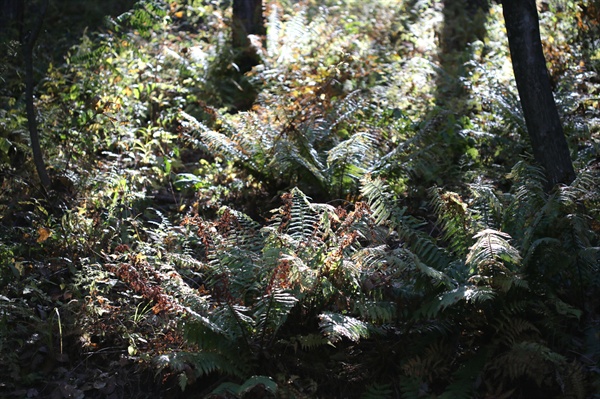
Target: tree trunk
247,20
28,43
550,147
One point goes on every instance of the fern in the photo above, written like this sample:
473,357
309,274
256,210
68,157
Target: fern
455,218
336,326
528,359
464,379
349,160
493,254
376,312
203,363
469,294
271,311
215,142
486,205
385,210
309,342
304,220
241,389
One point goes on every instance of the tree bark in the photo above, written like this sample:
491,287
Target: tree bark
28,43
550,147
247,20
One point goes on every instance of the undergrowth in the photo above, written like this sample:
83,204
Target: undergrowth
321,226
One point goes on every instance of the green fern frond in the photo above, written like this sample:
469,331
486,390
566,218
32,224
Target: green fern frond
376,312
292,38
301,276
455,218
464,379
492,248
543,244
531,360
528,200
510,106
200,363
469,294
348,161
207,333
240,390
271,311
513,330
412,388
143,18
240,230
424,157
337,326
303,219
394,263
487,205
215,142
385,210
310,341
299,154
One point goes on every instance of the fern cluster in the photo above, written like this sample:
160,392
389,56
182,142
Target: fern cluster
429,264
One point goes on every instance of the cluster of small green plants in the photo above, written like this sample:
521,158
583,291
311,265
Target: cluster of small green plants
358,216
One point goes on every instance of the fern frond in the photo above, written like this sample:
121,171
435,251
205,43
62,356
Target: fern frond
423,156
348,161
465,377
240,390
271,311
385,209
303,219
394,263
310,341
513,330
337,326
528,199
202,363
487,205
455,217
492,248
215,142
240,230
469,294
376,312
291,155
531,360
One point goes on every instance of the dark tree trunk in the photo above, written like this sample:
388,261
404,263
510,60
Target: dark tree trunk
550,147
247,20
28,44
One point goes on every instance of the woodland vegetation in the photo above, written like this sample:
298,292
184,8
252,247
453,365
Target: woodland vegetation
357,214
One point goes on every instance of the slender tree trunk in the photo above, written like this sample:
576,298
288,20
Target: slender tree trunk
28,43
247,20
550,147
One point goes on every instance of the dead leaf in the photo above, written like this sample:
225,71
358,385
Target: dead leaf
43,234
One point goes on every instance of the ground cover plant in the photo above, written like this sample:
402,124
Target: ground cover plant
358,215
